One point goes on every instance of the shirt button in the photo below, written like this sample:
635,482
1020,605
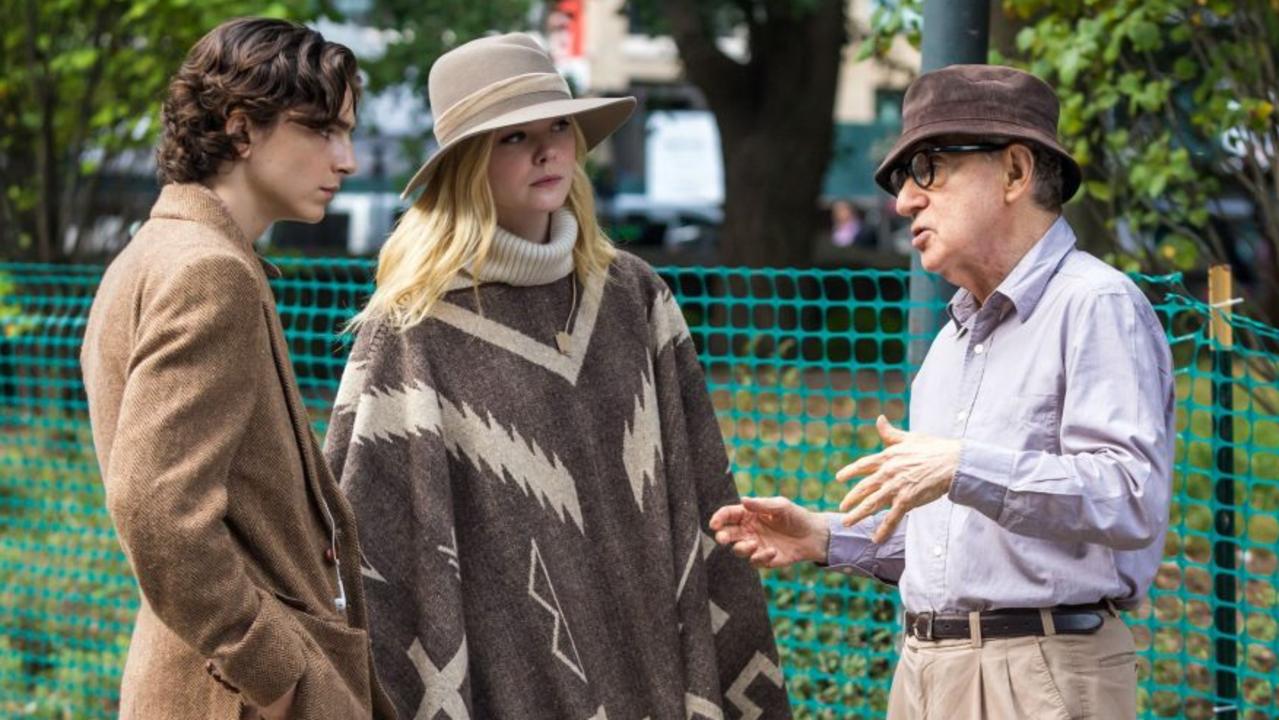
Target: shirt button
979,348
937,550
962,414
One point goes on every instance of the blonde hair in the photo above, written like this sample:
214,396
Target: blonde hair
450,229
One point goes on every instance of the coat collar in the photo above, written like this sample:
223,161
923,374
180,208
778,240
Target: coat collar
196,203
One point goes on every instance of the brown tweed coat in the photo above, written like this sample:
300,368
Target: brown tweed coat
216,486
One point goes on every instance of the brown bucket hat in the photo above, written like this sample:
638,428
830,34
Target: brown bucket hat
503,80
980,101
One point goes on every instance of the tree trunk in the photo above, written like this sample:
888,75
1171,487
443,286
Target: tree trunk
46,212
775,116
1003,30
8,224
772,181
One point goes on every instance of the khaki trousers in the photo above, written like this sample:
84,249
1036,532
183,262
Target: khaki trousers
1053,677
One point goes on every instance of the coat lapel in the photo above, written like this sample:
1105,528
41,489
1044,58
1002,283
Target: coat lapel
297,410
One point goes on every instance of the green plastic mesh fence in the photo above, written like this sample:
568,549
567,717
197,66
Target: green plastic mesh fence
798,364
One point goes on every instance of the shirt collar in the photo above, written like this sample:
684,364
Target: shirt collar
1026,284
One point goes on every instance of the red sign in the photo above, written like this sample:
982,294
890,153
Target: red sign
564,29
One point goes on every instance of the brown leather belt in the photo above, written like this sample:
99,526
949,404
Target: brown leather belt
1006,623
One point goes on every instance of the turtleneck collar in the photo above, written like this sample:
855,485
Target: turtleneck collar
517,261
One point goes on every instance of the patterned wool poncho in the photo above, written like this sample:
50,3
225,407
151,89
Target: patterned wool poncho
534,521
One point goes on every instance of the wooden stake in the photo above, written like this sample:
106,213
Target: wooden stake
1221,288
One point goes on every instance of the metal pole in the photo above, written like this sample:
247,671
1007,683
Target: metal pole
955,32
1224,548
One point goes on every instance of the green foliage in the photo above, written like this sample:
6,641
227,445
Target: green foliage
9,311
890,19
80,82
13,322
1169,105
419,33
68,601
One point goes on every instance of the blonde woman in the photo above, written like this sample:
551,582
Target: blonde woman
524,431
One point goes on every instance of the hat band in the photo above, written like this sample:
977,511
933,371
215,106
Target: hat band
454,119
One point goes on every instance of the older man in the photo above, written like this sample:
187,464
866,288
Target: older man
1030,499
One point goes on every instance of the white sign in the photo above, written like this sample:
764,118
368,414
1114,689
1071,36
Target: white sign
683,164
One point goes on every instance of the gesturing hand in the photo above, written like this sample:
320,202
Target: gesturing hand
912,470
771,532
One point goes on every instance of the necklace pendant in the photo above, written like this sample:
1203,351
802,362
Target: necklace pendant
563,341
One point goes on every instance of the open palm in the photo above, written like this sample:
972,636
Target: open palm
771,532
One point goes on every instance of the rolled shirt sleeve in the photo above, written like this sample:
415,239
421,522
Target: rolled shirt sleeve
851,549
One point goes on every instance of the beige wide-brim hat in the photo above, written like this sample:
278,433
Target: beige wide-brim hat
504,80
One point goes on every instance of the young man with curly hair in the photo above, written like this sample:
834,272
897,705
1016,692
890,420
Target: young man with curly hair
245,551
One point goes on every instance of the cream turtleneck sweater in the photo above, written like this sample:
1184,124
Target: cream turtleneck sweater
514,260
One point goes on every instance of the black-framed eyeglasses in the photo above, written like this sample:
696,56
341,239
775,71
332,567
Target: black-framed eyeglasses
921,166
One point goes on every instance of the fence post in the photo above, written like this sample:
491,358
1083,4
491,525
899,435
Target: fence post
1224,565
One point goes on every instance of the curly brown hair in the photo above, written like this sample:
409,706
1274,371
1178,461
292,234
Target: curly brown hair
261,68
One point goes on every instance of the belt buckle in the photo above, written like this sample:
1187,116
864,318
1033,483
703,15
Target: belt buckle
926,620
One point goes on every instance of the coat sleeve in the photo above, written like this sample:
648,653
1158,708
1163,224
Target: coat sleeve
385,445
184,410
721,590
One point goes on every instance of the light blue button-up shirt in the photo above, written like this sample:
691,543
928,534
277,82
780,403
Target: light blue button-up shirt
1060,387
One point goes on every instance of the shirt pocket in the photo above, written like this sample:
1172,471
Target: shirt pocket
1038,419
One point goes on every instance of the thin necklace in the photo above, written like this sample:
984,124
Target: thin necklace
562,339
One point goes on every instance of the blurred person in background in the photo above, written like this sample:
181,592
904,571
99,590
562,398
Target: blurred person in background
524,431
244,548
849,227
